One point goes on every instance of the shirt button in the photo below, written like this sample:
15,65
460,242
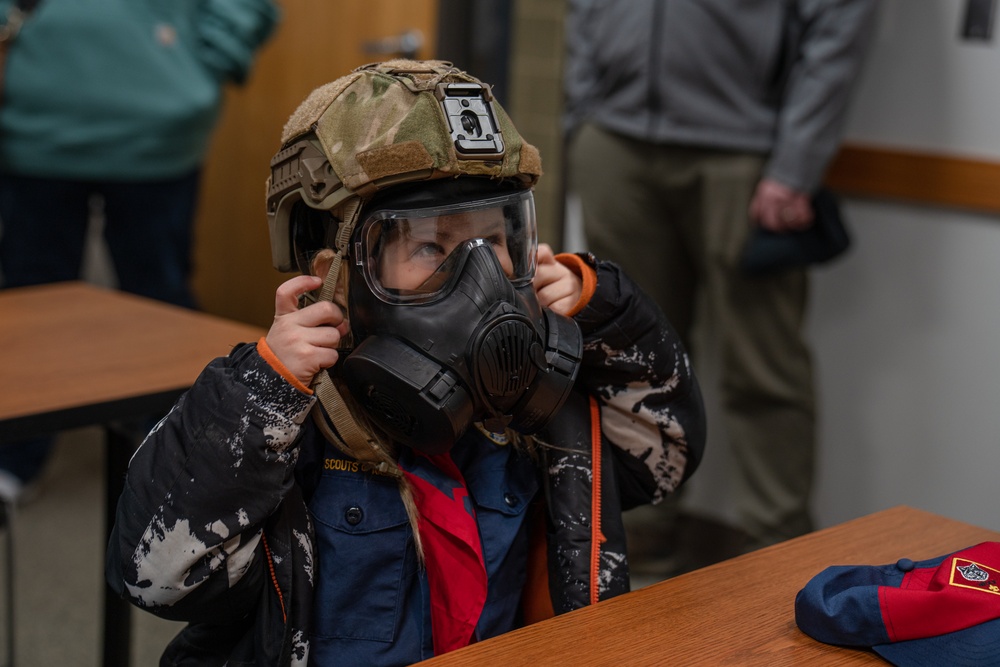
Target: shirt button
510,499
353,515
905,564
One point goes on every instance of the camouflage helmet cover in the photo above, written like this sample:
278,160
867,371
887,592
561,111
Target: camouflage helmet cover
384,124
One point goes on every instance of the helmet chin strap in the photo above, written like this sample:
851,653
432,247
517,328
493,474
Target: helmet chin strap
351,209
346,434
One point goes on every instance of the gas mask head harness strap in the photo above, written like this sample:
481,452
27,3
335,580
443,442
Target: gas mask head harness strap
400,127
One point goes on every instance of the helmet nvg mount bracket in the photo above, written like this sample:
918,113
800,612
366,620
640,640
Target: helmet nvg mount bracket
470,118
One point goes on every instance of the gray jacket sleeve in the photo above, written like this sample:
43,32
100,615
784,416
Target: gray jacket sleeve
828,39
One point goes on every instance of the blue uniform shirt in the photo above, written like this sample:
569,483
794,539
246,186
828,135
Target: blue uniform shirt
372,603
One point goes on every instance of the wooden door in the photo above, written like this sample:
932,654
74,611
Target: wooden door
316,42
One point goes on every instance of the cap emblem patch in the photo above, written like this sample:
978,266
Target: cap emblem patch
968,574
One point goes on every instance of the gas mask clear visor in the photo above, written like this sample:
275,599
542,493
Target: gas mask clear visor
412,255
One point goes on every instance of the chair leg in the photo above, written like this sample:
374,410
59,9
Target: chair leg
8,520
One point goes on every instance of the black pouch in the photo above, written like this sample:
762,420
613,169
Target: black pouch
824,240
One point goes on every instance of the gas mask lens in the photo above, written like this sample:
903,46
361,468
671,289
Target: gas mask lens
411,256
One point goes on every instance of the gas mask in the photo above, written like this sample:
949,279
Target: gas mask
446,325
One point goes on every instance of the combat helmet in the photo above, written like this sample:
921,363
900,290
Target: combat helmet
385,124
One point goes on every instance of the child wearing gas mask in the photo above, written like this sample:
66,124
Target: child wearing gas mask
435,440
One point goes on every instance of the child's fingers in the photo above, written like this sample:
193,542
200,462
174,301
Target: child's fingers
555,293
321,313
545,254
286,298
547,270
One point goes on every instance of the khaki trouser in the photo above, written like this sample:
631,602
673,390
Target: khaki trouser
675,218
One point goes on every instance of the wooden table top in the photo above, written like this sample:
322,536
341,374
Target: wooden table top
75,354
738,612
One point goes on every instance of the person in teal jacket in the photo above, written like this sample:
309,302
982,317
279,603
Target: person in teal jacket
109,105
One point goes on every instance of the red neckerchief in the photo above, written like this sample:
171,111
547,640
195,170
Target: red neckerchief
453,551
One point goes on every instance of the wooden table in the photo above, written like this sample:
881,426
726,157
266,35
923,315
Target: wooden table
76,355
738,612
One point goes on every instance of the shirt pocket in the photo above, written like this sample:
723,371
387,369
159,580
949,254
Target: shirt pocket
502,490
364,557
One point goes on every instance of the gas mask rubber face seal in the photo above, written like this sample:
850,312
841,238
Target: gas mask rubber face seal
447,327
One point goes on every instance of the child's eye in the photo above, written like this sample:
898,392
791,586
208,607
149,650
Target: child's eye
427,251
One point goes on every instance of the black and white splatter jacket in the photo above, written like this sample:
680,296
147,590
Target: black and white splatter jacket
212,527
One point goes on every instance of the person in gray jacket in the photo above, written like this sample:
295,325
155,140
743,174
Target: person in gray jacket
689,123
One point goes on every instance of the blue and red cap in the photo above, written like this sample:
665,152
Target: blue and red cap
944,611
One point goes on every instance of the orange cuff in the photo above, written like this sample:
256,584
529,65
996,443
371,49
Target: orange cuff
265,351
585,273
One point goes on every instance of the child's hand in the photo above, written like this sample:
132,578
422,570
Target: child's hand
555,285
304,340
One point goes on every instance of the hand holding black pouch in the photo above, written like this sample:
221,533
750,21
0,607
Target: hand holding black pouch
826,239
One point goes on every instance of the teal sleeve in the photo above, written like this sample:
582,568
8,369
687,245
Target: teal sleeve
231,31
